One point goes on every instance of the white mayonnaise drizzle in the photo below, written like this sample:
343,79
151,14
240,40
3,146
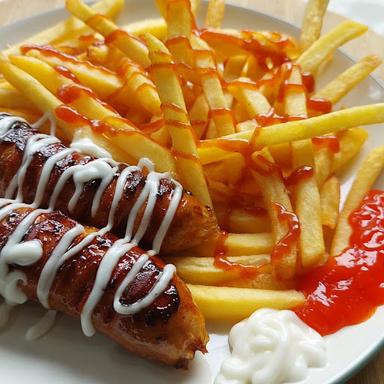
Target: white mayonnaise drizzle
87,146
272,347
17,252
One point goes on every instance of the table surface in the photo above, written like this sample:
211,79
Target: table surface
288,10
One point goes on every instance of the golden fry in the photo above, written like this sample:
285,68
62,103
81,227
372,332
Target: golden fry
235,304
345,82
314,126
69,28
215,13
131,46
351,142
317,53
312,23
366,176
330,202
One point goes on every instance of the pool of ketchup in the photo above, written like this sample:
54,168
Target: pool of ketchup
348,289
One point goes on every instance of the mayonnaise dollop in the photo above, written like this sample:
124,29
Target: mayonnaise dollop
272,346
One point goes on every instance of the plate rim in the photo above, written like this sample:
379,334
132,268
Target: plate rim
356,365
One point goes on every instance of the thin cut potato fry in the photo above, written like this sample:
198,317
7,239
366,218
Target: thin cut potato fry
36,92
314,56
314,126
324,164
235,304
201,270
48,103
27,114
274,192
103,83
366,176
241,221
177,120
228,171
295,103
69,28
236,244
212,88
330,202
306,192
156,27
307,207
215,13
135,143
234,67
345,82
162,6
312,23
12,98
252,100
53,81
351,142
130,45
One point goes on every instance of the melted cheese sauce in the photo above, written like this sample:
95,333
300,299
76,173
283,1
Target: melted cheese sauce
18,252
272,346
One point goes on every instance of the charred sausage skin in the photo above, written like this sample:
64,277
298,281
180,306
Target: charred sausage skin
192,220
169,330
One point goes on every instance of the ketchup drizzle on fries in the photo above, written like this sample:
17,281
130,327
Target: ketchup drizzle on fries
221,261
290,239
298,175
330,142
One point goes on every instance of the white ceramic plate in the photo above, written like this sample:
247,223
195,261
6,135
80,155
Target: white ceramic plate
66,356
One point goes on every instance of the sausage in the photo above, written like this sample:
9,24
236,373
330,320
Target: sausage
168,330
191,221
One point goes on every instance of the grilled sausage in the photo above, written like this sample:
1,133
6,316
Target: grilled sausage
169,330
191,221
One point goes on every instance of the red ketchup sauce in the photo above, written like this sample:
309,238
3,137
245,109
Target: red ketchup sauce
298,175
332,143
221,261
347,289
286,243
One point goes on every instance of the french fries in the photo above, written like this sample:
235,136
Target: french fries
308,128
69,28
306,192
311,59
215,13
365,178
201,270
235,304
176,119
330,202
131,46
236,244
274,192
229,114
345,82
313,21
351,142
307,207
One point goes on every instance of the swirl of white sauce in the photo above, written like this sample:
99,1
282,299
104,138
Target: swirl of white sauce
272,346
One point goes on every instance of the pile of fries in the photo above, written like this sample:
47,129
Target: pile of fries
234,115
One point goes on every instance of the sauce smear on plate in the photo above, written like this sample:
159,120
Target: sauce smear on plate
348,289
